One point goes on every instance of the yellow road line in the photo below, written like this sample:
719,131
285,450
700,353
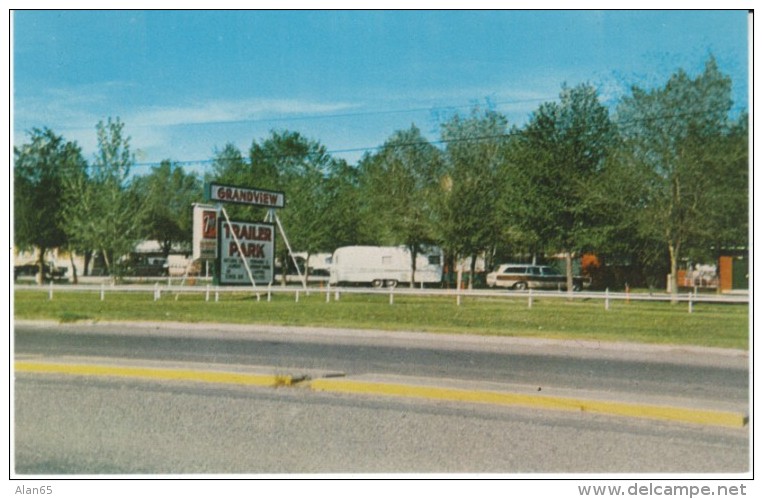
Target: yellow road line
679,414
648,411
154,373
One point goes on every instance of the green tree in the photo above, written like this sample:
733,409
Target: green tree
729,165
167,194
615,200
566,145
400,185
41,169
231,168
229,165
289,162
101,210
470,222
343,220
298,166
676,135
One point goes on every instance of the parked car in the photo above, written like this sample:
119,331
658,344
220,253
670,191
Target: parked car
52,273
521,276
147,267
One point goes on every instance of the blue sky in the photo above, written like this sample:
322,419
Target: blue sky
185,83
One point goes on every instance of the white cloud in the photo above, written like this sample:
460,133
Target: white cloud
70,110
74,113
233,111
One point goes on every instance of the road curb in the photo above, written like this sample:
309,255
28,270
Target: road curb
612,408
701,416
266,380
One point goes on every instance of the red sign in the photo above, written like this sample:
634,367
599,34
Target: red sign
209,224
205,221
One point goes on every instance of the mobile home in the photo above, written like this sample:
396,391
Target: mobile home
384,266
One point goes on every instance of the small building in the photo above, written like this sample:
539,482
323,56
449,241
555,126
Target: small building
733,269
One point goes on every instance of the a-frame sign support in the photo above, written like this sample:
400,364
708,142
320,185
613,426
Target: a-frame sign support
257,198
271,217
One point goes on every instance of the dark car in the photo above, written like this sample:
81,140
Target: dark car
523,276
52,273
147,267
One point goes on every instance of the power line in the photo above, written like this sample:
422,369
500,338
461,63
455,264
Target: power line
356,114
439,141
332,116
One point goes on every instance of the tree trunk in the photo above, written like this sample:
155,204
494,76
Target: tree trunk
74,268
40,277
88,256
450,268
306,277
284,267
166,248
414,254
673,249
108,264
472,269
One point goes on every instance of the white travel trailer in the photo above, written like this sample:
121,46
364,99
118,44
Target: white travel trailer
384,266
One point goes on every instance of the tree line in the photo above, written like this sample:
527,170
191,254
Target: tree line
659,178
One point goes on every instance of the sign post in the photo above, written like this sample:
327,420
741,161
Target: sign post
272,216
244,251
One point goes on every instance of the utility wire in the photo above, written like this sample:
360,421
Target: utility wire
441,141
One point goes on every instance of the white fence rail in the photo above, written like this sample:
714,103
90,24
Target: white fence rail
212,292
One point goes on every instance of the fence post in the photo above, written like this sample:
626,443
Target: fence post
691,305
103,291
270,291
296,296
391,296
217,294
606,299
157,292
529,297
50,290
328,293
207,295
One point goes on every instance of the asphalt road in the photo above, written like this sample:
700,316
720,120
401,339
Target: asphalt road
683,372
105,426
93,424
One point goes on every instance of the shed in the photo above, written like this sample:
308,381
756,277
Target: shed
733,269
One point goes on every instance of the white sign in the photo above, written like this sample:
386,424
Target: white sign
254,242
205,222
246,195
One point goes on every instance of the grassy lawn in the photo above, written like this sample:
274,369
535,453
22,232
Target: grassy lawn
717,325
